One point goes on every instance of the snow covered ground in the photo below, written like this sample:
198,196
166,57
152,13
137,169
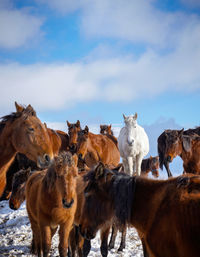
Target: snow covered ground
15,237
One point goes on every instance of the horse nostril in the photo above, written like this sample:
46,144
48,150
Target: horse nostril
12,206
47,158
66,204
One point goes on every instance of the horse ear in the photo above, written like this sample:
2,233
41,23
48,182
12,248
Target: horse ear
19,108
186,143
124,116
180,132
99,170
78,123
86,130
68,124
110,126
135,116
45,125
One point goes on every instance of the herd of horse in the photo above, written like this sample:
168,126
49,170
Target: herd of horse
74,181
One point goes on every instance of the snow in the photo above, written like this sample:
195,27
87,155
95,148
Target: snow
16,235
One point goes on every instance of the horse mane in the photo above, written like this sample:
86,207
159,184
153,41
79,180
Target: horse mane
123,192
29,111
63,159
113,139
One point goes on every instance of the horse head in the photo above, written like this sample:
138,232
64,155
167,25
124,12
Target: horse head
96,208
131,124
73,129
61,176
106,130
29,136
173,144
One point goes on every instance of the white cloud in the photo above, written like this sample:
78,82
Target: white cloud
18,27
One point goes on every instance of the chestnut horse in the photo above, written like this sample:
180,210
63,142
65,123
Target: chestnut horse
23,132
188,148
51,202
163,141
150,164
92,148
73,129
59,141
168,224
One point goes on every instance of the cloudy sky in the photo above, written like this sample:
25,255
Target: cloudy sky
93,60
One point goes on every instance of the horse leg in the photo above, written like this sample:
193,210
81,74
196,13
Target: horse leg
123,238
36,243
64,232
45,232
130,165
125,164
104,241
86,247
166,164
113,236
138,164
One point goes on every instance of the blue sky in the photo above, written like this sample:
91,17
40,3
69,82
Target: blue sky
93,60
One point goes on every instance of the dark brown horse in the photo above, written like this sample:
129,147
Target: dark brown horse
168,224
188,148
23,132
51,202
106,130
92,148
73,129
150,164
77,243
163,141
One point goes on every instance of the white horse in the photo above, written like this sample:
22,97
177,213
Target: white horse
133,145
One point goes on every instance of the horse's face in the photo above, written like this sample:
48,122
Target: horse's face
131,124
96,209
66,173
155,166
173,144
30,137
105,130
82,144
18,189
73,130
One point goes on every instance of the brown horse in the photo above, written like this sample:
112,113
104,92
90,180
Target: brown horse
188,148
59,141
164,212
92,148
73,129
18,188
106,130
150,164
51,201
77,244
163,141
23,132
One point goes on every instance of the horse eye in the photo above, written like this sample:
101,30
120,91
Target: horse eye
31,129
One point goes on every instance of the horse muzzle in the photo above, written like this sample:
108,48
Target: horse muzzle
73,148
66,204
43,162
169,158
